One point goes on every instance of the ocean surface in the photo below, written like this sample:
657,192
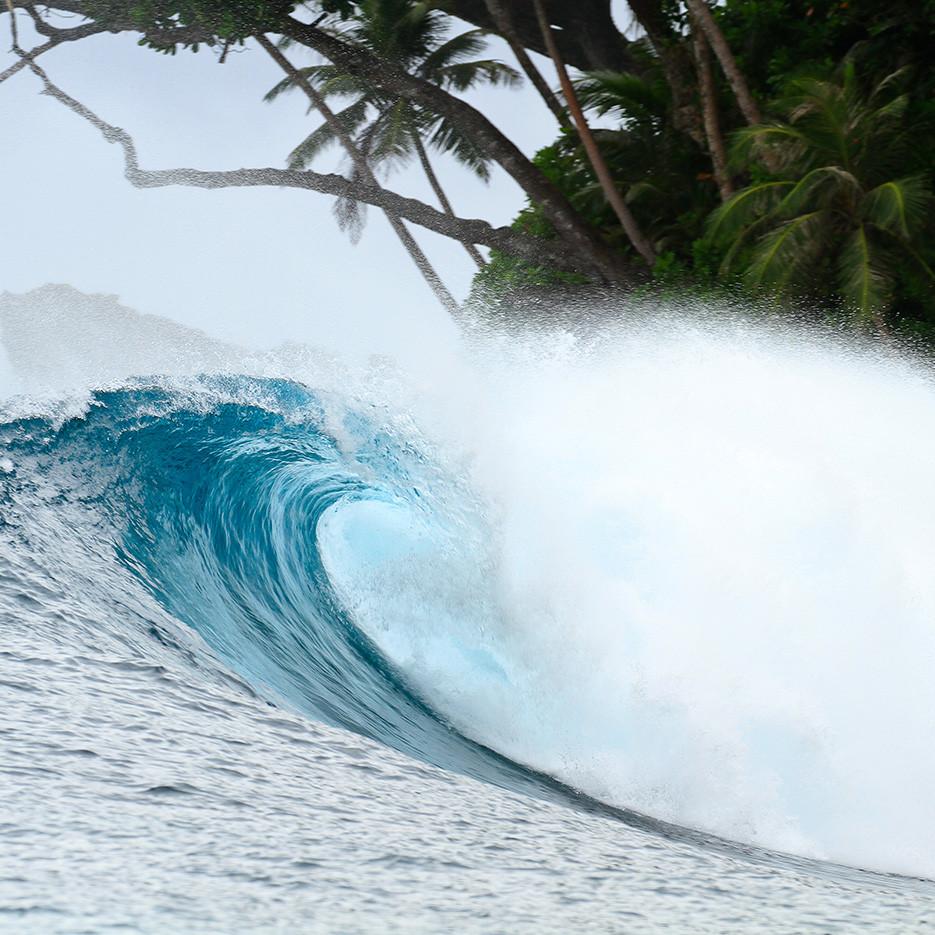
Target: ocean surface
628,637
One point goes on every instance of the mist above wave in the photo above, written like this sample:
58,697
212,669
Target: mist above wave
707,557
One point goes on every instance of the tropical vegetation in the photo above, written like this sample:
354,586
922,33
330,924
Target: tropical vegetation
389,130
780,149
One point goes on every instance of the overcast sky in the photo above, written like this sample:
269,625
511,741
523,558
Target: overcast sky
257,266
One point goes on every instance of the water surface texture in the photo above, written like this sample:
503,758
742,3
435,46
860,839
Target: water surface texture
573,648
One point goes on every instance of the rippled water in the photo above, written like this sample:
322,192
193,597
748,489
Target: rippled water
146,790
278,659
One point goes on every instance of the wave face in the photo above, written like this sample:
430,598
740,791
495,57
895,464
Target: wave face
241,519
685,575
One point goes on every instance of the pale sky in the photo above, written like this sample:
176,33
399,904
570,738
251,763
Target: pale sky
258,266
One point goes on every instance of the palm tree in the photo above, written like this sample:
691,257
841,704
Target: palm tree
831,208
704,20
649,158
363,171
595,157
389,132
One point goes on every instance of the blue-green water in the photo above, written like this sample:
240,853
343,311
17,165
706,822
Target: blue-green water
218,711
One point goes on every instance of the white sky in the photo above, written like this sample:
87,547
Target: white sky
258,266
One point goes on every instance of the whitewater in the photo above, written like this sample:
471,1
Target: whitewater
615,628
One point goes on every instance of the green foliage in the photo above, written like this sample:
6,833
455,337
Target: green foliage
387,130
835,220
833,201
833,207
169,24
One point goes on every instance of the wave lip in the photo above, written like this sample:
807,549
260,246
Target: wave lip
217,506
547,613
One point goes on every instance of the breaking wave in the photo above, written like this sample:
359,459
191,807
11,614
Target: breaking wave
686,574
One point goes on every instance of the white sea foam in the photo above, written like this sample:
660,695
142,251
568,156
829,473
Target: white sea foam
711,573
697,580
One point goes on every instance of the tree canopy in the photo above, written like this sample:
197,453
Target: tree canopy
775,146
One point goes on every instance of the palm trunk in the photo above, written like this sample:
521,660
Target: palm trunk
748,107
402,232
504,23
582,242
471,250
595,156
654,19
712,124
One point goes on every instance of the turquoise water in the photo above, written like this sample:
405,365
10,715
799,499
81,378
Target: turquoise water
252,640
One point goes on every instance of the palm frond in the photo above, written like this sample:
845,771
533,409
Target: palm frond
865,281
899,206
622,94
892,80
464,75
782,255
891,112
350,214
325,78
743,208
324,136
641,190
290,82
824,114
389,138
457,49
784,143
449,138
817,187
413,34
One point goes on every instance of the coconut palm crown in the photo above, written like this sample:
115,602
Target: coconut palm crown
390,131
826,206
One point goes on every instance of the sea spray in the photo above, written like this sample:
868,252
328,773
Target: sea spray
682,564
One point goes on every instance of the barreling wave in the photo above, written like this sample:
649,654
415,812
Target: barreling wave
232,504
687,580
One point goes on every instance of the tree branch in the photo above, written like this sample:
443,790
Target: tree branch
579,236
473,230
503,19
593,151
115,23
25,58
584,248
316,99
700,10
58,37
587,36
709,110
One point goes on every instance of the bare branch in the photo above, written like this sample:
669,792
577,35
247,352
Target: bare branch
41,26
317,100
25,58
13,32
580,238
584,248
473,230
58,36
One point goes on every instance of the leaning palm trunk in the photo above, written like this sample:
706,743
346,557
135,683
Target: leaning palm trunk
363,168
701,13
500,14
596,158
709,112
472,250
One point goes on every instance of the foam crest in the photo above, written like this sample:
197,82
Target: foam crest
684,565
